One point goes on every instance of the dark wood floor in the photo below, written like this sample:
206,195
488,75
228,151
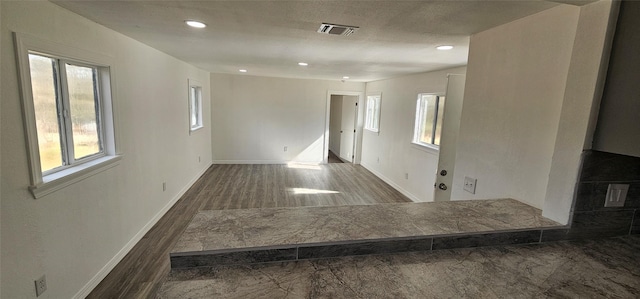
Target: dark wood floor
142,271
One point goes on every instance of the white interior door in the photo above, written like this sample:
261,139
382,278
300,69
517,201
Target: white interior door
348,127
335,126
449,138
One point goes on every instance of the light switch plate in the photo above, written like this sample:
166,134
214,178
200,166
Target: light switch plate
470,185
616,195
41,285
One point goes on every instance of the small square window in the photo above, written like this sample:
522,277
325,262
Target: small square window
372,114
428,124
195,106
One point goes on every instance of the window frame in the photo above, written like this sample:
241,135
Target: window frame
68,151
418,119
372,122
43,183
193,84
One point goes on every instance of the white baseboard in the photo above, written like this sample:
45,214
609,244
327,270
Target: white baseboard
392,184
96,279
250,162
262,162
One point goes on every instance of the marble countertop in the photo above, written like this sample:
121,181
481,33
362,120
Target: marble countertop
222,230
587,269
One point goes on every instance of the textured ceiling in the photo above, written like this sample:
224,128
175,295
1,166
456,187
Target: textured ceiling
269,38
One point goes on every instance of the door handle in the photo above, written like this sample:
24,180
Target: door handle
442,186
340,132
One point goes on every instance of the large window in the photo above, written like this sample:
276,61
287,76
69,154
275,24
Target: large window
195,105
428,125
67,105
68,114
372,115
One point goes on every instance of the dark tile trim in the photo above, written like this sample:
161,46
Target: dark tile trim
635,224
231,258
551,235
491,239
365,248
594,224
602,166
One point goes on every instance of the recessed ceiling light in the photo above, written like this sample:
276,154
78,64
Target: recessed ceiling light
195,24
302,64
345,77
444,47
242,71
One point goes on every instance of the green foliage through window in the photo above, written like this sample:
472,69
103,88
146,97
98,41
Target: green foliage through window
67,110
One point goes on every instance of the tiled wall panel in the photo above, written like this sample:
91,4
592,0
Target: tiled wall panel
591,219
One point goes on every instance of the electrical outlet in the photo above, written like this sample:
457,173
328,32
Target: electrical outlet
285,148
616,195
470,185
199,160
41,285
164,186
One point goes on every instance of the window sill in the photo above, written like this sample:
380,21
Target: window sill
432,149
373,131
193,130
61,179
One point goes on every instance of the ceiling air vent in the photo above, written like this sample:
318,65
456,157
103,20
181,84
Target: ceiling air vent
334,29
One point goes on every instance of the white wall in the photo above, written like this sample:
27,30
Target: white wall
72,234
390,154
335,124
514,91
585,80
254,118
1,71
618,128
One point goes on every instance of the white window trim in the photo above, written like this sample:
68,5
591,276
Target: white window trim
43,184
69,176
427,147
200,118
366,112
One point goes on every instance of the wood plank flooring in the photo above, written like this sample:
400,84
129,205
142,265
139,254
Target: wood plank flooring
333,158
143,270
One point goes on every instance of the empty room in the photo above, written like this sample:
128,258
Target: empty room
319,149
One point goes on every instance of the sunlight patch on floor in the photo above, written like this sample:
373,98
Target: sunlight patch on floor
297,165
310,191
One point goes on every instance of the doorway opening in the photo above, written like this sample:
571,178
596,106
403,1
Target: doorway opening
343,131
342,128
